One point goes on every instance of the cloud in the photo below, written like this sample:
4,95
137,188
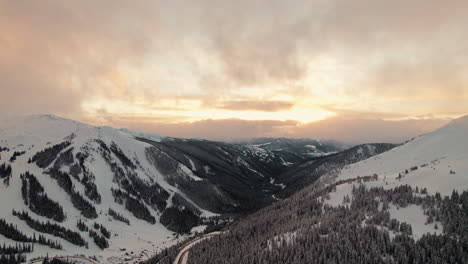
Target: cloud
266,106
365,56
351,130
53,55
356,131
356,114
221,129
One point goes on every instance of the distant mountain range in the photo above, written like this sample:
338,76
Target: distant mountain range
69,188
301,148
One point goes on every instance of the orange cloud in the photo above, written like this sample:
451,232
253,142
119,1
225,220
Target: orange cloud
181,61
352,130
266,106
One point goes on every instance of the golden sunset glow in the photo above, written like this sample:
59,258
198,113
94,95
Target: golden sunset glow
170,66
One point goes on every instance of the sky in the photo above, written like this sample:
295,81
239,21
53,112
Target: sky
355,71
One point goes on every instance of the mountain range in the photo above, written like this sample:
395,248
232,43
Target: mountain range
72,188
405,205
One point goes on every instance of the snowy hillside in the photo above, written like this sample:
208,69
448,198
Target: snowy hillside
85,172
36,133
437,161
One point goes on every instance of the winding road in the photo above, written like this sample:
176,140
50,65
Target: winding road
181,257
183,253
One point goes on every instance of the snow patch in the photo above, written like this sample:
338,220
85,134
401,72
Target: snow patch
414,215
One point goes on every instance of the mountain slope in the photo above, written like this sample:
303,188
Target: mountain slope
81,156
148,136
110,189
295,150
437,161
309,171
245,174
390,208
105,190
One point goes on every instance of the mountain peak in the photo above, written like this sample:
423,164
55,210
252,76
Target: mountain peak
461,121
152,137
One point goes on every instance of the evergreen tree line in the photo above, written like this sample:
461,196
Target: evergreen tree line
118,216
55,260
82,226
106,233
79,202
66,158
45,157
275,216
151,193
17,249
382,218
304,229
99,240
16,154
4,149
10,231
37,200
52,229
5,171
121,156
451,211
137,208
90,187
12,259
167,255
179,219
215,223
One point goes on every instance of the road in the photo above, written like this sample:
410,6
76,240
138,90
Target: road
183,253
181,257
86,260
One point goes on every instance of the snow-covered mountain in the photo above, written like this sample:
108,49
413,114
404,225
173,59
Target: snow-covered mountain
100,175
95,160
74,188
106,190
405,205
437,161
153,137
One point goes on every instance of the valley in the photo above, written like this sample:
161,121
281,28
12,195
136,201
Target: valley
102,195
406,205
68,188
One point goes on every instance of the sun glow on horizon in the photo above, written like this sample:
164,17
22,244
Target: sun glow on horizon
194,110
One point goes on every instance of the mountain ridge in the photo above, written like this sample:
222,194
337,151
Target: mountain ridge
102,181
405,205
